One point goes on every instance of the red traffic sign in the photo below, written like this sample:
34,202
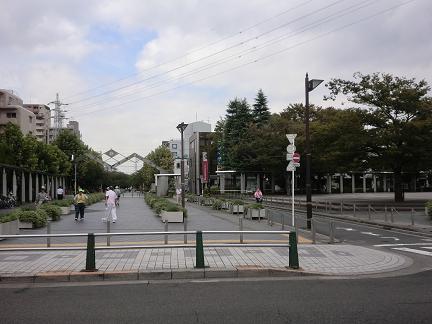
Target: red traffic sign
296,157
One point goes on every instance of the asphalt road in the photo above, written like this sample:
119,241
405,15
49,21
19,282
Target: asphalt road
406,299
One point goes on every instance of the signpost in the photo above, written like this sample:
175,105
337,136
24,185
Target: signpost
294,159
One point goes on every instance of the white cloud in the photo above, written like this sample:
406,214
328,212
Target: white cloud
46,45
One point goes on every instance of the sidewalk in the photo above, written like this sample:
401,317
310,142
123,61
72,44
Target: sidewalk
176,263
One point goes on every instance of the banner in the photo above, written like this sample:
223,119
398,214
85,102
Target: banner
204,168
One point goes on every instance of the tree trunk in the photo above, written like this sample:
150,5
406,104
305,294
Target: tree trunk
398,186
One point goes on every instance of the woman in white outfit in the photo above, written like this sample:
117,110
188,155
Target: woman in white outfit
110,203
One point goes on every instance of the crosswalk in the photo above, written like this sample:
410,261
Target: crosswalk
417,248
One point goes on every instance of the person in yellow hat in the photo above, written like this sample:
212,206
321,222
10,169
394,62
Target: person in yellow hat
80,201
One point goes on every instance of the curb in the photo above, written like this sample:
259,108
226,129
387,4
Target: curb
173,274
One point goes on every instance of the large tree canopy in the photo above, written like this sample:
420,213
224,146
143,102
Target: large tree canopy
398,120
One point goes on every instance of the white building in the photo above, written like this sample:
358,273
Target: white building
12,110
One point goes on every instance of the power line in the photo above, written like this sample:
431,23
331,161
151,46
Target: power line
196,49
261,58
215,53
239,55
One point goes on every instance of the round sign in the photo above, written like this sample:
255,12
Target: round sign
291,148
296,157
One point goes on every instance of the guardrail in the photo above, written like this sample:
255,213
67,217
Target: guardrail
199,244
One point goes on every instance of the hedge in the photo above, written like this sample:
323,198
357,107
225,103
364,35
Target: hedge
160,204
37,217
9,217
52,211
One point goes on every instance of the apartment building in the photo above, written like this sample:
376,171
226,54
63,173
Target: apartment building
12,111
43,120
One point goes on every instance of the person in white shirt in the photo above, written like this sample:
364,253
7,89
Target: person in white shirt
110,203
60,193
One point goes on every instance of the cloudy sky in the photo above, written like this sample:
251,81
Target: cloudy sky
131,70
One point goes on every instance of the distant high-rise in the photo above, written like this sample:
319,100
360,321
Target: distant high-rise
43,120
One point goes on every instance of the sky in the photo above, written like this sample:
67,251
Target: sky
131,70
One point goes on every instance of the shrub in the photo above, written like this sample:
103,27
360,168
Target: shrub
237,202
52,211
37,217
217,204
28,207
159,204
255,206
9,217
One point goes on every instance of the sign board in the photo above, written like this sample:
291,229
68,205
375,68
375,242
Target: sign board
296,157
291,148
291,167
291,137
289,156
204,168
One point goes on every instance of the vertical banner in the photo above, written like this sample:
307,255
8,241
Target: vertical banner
204,167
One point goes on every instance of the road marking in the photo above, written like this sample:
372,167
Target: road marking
346,229
390,237
370,233
414,251
427,240
402,244
428,247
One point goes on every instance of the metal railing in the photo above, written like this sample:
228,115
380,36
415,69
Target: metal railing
199,244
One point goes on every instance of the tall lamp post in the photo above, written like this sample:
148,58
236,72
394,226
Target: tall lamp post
75,174
309,86
181,127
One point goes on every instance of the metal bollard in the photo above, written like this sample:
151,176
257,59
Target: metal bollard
293,252
412,216
313,231
331,232
354,210
91,254
341,207
241,229
369,212
48,232
391,215
166,230
385,214
108,231
326,207
330,207
199,251
185,229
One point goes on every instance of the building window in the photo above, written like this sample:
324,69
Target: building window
174,146
177,165
174,154
11,115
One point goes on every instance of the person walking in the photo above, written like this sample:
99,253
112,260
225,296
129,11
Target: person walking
60,193
80,201
118,193
258,195
110,203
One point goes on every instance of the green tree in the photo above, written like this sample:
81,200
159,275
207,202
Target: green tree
260,112
398,121
237,121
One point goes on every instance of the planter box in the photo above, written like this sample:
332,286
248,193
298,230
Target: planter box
9,228
25,225
65,210
207,202
225,205
172,217
257,213
237,209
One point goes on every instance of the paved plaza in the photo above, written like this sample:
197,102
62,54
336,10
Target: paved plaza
171,263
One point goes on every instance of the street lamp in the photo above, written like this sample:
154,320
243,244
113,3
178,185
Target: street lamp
309,86
181,127
75,174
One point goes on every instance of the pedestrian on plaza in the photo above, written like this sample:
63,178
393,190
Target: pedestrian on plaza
42,196
258,195
178,194
118,193
60,192
110,203
80,201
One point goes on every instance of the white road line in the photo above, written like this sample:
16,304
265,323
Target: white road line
346,229
390,237
414,251
402,244
370,233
